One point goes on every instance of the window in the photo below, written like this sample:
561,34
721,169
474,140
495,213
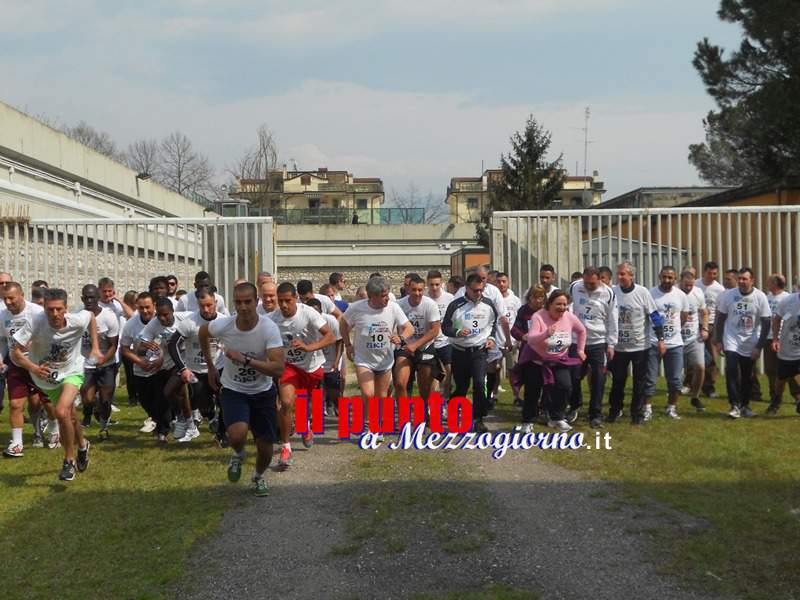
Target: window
361,204
305,180
313,204
472,203
577,201
337,203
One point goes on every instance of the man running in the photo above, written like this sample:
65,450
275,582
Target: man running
441,345
202,280
673,307
711,289
253,357
305,290
417,353
193,370
786,345
776,284
144,370
743,322
269,298
55,363
377,326
304,333
512,304
153,344
637,311
100,378
19,312
694,333
595,304
332,383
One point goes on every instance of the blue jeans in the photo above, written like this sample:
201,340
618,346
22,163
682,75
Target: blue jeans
673,370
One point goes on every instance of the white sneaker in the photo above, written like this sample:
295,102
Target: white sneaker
181,426
196,416
672,412
500,388
149,426
525,428
561,425
685,390
734,412
114,409
191,433
14,450
648,412
54,440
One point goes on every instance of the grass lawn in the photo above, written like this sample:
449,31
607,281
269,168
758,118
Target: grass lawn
742,477
121,530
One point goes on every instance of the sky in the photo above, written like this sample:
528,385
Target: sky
405,90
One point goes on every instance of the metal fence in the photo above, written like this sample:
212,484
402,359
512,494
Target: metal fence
765,238
342,216
69,253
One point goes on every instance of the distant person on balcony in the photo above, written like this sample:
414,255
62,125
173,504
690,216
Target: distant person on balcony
355,218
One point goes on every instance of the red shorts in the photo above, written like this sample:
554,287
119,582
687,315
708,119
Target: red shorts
19,382
301,380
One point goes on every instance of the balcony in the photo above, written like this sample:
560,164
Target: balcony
341,216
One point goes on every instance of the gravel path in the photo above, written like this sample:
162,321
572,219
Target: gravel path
553,532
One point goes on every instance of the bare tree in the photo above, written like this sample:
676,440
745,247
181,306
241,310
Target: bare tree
256,164
183,169
434,206
144,156
96,140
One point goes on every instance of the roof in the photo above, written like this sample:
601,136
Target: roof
709,190
790,182
366,180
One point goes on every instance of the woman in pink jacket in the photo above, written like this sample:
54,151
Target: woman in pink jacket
549,337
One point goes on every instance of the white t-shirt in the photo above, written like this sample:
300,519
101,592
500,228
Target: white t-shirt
329,352
304,325
696,300
10,324
743,323
131,336
512,304
635,308
422,316
115,306
188,303
670,305
442,302
193,356
253,343
60,349
598,312
711,292
788,310
371,329
327,304
156,332
773,301
107,328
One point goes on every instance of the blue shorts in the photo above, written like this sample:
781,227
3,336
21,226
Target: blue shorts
259,411
444,354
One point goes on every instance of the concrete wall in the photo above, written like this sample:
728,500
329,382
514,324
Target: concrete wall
26,140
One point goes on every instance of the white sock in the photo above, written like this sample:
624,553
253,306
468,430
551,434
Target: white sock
257,475
288,445
16,436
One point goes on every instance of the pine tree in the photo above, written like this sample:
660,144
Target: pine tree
528,180
755,133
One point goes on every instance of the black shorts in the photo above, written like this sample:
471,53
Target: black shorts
420,357
444,354
105,376
200,393
259,411
332,380
788,369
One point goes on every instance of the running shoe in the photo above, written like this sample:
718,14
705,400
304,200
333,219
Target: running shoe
260,486
572,415
181,426
38,441
713,395
308,438
478,426
560,425
698,405
67,471
83,457
102,435
672,412
149,426
54,440
596,423
734,412
648,412
196,416
234,468
162,438
525,428
213,424
747,412
285,461
114,408
191,433
14,451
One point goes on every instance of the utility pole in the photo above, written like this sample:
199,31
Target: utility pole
585,148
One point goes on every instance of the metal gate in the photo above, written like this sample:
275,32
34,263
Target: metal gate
69,253
764,238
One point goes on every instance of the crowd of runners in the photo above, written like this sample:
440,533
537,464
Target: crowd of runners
188,360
